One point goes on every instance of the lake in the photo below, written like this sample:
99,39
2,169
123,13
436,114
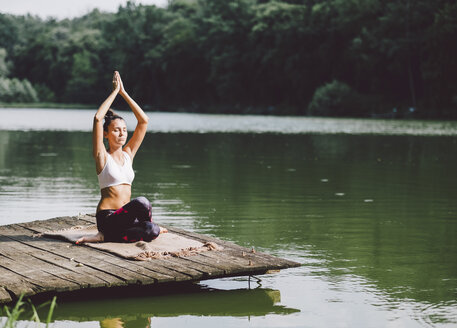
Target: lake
367,206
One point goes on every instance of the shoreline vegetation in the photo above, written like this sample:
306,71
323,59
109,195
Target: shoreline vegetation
25,310
354,58
269,111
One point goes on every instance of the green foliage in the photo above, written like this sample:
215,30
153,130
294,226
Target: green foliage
46,94
13,314
441,65
29,93
280,53
4,70
224,27
234,55
5,89
83,77
335,99
15,90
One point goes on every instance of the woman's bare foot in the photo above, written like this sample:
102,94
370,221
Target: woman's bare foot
91,239
163,230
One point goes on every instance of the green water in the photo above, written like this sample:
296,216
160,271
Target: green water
372,218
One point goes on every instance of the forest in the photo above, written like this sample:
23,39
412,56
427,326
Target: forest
343,58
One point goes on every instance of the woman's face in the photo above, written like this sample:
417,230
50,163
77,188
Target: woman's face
117,133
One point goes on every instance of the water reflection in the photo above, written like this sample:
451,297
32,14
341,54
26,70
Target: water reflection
374,216
394,224
135,307
45,174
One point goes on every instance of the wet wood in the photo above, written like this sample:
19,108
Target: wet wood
31,265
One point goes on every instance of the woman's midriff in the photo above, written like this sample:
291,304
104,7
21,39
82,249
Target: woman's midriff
114,197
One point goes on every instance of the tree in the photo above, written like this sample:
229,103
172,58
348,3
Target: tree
335,99
224,27
440,62
85,47
4,70
243,55
14,90
279,54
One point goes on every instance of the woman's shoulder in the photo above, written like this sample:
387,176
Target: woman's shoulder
127,155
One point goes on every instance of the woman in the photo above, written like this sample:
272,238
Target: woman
118,218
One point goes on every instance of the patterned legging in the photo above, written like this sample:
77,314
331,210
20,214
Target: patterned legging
132,222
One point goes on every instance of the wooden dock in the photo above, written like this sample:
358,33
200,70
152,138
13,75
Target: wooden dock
45,266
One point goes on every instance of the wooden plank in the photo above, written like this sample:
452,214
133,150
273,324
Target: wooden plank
166,266
186,272
231,248
163,273
256,260
34,265
174,272
129,271
48,262
113,274
234,265
44,280
5,297
16,284
159,273
260,257
180,272
60,223
89,218
74,258
205,271
103,262
205,238
224,266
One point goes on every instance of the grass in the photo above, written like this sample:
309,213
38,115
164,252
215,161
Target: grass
13,314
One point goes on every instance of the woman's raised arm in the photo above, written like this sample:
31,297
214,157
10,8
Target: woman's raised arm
140,131
99,150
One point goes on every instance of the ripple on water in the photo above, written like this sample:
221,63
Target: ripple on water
442,314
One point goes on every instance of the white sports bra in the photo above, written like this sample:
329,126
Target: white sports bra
114,174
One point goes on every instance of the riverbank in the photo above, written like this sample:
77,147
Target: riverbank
80,120
401,113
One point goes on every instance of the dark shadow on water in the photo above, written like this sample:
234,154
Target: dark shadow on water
135,305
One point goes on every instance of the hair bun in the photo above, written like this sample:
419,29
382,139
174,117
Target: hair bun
109,113
109,117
